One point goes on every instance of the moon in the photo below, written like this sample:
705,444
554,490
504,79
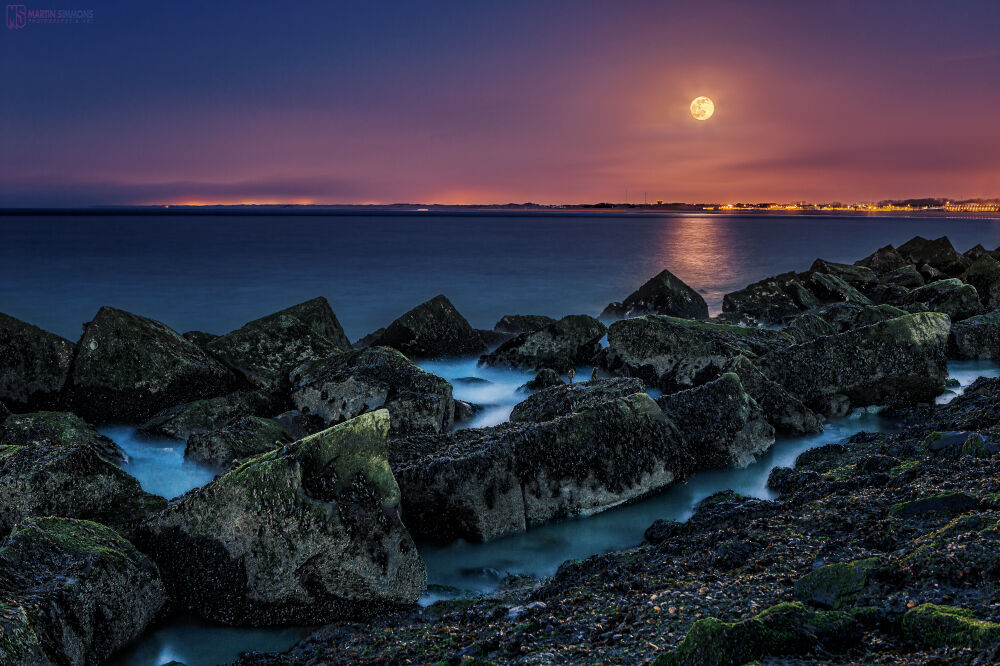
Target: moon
702,108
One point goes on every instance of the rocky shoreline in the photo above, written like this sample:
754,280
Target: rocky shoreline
333,457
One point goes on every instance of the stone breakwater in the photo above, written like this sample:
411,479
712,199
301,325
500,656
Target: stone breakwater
334,455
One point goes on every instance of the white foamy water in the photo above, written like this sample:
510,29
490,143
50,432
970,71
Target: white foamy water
966,372
158,462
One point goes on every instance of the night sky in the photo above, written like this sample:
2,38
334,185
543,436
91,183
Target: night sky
490,102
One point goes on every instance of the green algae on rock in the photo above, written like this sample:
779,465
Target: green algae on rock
305,534
52,463
201,416
899,361
835,585
947,626
74,592
785,630
952,297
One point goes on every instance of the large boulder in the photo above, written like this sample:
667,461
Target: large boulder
266,350
952,297
976,337
984,275
200,416
675,354
34,365
664,293
722,425
772,301
53,463
244,437
347,385
809,325
832,289
555,401
860,277
518,324
430,330
781,409
883,260
846,316
306,534
938,253
573,340
483,483
128,368
896,362
905,276
74,592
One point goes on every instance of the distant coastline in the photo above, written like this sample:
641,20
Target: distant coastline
417,210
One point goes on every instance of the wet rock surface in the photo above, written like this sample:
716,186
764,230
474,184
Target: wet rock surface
265,350
673,354
73,592
573,340
517,324
826,573
899,361
200,416
128,368
486,482
722,425
553,402
243,437
665,294
347,385
53,463
34,365
976,337
430,330
304,534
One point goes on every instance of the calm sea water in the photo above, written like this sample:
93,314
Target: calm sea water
215,273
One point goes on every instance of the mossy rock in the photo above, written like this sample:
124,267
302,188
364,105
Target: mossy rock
307,533
965,551
75,591
785,630
835,585
201,416
53,463
949,627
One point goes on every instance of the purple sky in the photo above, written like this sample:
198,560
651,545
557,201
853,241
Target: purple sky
485,102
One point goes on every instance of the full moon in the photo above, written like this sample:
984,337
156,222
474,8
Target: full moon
702,108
